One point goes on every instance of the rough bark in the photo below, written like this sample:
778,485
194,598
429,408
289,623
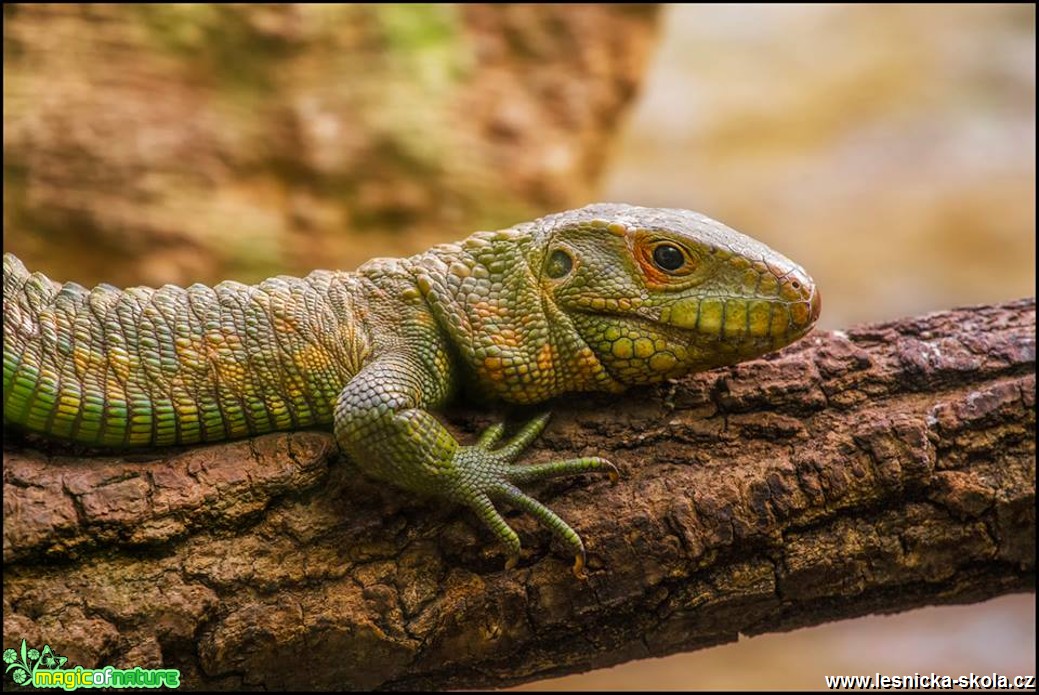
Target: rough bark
874,470
203,142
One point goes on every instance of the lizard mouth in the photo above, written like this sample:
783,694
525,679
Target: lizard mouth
731,323
623,339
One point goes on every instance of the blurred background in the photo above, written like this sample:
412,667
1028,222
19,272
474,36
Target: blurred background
888,149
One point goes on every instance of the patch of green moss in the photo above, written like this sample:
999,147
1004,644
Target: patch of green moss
426,55
219,41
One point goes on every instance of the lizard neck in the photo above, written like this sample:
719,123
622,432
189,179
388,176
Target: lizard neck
515,343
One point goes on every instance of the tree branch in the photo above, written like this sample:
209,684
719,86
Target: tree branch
873,470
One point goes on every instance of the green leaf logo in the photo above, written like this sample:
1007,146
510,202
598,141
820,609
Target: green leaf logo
22,664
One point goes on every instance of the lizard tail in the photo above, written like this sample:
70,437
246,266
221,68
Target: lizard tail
148,367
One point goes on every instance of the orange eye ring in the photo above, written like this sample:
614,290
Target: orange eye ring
664,261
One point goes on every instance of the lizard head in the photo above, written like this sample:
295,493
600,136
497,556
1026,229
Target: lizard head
656,293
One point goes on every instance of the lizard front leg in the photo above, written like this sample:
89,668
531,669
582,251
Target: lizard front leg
381,422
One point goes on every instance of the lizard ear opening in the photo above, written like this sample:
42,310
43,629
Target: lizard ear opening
559,264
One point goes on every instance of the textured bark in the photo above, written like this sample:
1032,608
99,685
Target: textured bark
197,142
874,470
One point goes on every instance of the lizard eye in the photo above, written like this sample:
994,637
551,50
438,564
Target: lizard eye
559,264
669,258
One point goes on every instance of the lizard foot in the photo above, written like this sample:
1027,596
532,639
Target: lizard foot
487,475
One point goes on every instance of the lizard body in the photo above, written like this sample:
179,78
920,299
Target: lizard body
596,299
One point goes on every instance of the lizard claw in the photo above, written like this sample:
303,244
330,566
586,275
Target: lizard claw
485,476
579,568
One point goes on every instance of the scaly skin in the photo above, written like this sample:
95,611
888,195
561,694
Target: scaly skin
596,299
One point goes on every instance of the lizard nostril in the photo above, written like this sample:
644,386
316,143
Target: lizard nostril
800,290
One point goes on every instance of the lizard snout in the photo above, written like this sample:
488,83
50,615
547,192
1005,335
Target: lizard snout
805,302
816,304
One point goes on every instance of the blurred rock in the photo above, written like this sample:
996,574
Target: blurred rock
180,143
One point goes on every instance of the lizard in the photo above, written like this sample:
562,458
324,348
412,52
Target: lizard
600,298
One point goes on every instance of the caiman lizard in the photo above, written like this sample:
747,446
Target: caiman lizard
596,299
